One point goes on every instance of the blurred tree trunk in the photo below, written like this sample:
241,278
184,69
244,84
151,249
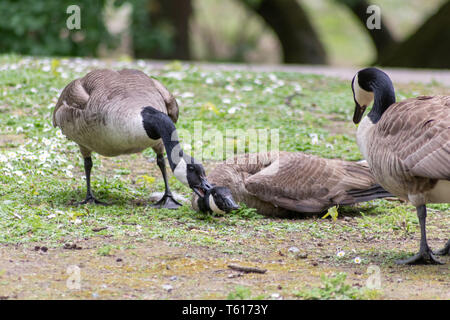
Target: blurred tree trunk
382,38
176,15
428,47
290,22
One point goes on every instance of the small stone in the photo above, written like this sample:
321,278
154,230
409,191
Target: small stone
37,248
44,249
294,249
119,260
315,264
173,278
167,287
276,296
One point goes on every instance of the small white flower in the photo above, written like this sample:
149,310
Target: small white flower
340,254
69,174
357,260
314,138
46,68
229,88
187,95
18,173
232,110
46,141
33,90
19,129
43,156
209,81
268,90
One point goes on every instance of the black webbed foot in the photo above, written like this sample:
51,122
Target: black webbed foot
445,251
167,202
92,200
423,257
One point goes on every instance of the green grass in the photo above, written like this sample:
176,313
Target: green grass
41,171
334,288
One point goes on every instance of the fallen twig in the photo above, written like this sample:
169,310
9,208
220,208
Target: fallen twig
246,269
99,229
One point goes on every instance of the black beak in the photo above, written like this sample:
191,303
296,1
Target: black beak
202,188
358,114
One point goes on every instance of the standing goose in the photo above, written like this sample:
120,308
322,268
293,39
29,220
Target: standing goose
407,146
124,112
288,183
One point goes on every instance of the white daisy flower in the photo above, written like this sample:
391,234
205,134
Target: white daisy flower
341,254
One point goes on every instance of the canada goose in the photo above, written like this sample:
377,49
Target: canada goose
122,112
407,146
288,183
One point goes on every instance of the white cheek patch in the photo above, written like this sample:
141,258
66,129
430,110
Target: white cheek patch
363,97
180,172
213,206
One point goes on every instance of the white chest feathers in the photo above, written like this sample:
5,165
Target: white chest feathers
213,206
180,172
363,135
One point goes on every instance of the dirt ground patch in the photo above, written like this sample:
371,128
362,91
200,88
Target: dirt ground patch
156,269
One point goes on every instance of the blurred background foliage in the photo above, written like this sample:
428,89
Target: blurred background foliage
414,33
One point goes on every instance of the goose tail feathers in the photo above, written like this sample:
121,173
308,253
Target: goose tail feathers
360,195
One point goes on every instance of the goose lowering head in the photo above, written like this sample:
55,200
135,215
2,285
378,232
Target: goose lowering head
406,145
123,112
218,200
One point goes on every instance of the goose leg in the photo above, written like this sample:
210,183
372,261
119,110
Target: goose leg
89,196
167,201
425,255
445,250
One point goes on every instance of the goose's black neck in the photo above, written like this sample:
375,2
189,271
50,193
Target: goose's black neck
203,202
158,125
381,85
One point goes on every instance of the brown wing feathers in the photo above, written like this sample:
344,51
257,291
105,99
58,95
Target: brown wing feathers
419,139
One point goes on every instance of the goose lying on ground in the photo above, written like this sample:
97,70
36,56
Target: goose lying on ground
288,183
407,146
124,112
